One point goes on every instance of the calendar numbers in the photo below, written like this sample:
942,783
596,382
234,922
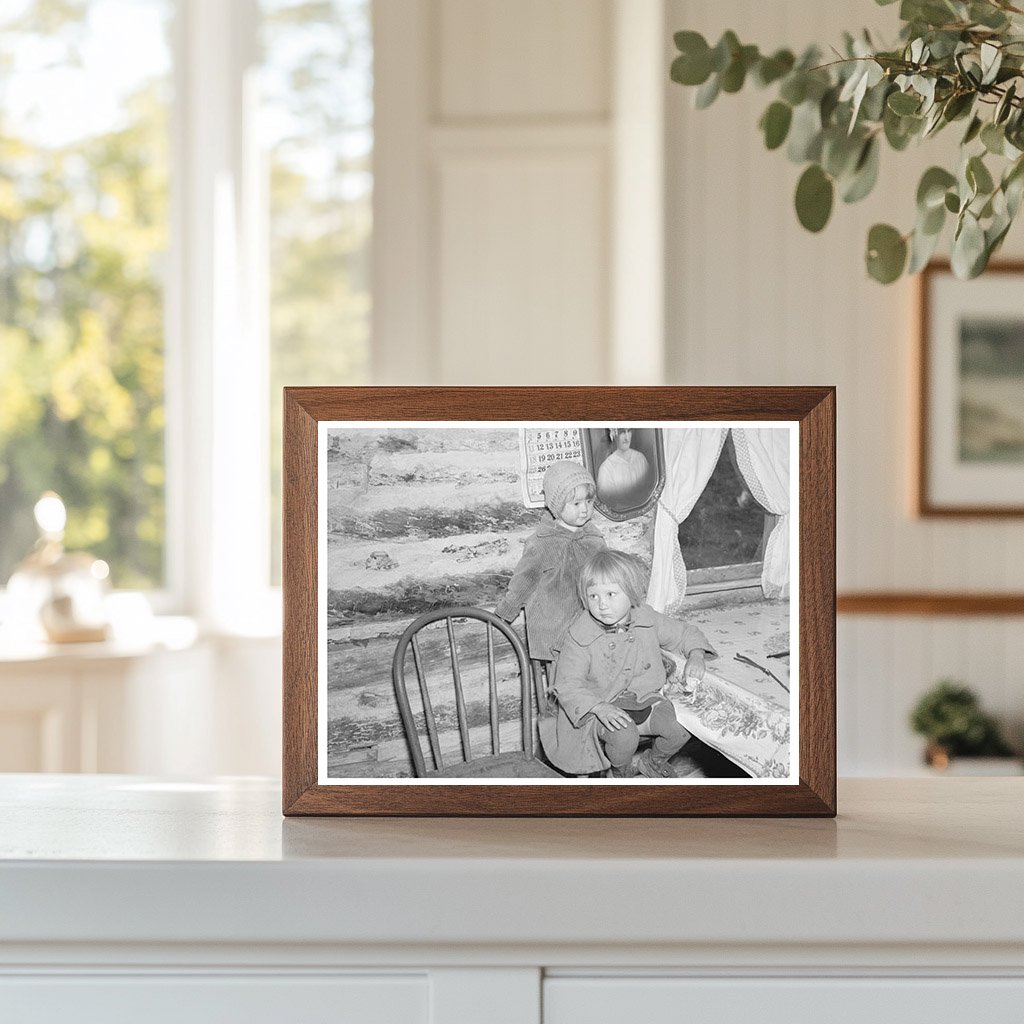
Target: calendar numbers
541,447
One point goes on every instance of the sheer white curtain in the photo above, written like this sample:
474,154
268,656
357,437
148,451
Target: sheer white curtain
762,454
691,454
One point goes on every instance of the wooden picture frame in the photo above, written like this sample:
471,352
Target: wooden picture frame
315,418
970,417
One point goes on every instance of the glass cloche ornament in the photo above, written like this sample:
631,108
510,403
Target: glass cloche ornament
56,595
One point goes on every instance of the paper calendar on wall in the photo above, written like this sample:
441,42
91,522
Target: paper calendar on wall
538,448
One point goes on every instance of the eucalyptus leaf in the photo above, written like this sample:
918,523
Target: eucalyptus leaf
771,69
886,253
958,105
1013,187
932,221
903,103
865,173
930,12
814,194
933,122
873,106
922,248
1005,104
944,44
991,60
978,175
724,51
968,247
707,93
987,15
828,104
973,129
1013,191
805,133
735,74
995,233
794,88
925,88
993,138
931,190
840,152
952,202
900,130
775,124
692,67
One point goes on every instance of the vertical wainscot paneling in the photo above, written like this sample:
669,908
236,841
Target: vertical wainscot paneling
751,298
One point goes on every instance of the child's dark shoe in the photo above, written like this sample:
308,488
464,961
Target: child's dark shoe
653,767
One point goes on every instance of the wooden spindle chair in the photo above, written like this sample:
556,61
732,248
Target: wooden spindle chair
521,762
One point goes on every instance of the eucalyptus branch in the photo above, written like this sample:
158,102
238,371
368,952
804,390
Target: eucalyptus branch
834,116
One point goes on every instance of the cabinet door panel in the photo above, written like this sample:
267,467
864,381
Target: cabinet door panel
782,1000
202,999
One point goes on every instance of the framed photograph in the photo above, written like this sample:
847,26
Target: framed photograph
628,466
971,393
478,621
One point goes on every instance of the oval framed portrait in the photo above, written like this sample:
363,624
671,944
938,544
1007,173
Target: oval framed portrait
628,465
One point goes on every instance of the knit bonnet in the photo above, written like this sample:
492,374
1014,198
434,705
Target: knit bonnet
560,480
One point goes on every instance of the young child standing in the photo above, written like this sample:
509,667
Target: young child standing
545,581
609,675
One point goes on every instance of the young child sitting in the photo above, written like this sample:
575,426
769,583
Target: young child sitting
545,580
609,675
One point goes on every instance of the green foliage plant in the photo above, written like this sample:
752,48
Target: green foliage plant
956,61
949,716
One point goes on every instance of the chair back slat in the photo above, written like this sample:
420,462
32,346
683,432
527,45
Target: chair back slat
420,653
428,708
541,689
492,691
526,691
460,696
412,735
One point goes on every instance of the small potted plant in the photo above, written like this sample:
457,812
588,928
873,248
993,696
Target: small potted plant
950,717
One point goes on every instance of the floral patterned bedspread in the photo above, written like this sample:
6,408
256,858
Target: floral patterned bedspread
748,729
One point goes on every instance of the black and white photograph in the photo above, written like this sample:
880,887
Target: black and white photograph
628,465
482,619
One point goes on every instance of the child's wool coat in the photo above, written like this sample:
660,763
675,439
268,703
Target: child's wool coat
545,582
596,664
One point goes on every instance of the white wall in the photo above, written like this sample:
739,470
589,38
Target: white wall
754,299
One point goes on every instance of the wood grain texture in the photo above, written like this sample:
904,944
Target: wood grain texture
925,507
817,574
925,603
812,407
299,596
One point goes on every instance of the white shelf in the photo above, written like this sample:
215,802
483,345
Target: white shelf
125,896
121,859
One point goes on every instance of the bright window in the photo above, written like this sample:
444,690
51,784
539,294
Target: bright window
723,537
185,221
317,118
83,237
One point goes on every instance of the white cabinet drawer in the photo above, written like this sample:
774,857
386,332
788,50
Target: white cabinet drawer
569,1000
205,999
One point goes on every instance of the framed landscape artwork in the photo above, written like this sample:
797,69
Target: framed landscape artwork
971,393
559,601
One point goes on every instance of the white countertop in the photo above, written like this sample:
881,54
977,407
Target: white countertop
122,859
